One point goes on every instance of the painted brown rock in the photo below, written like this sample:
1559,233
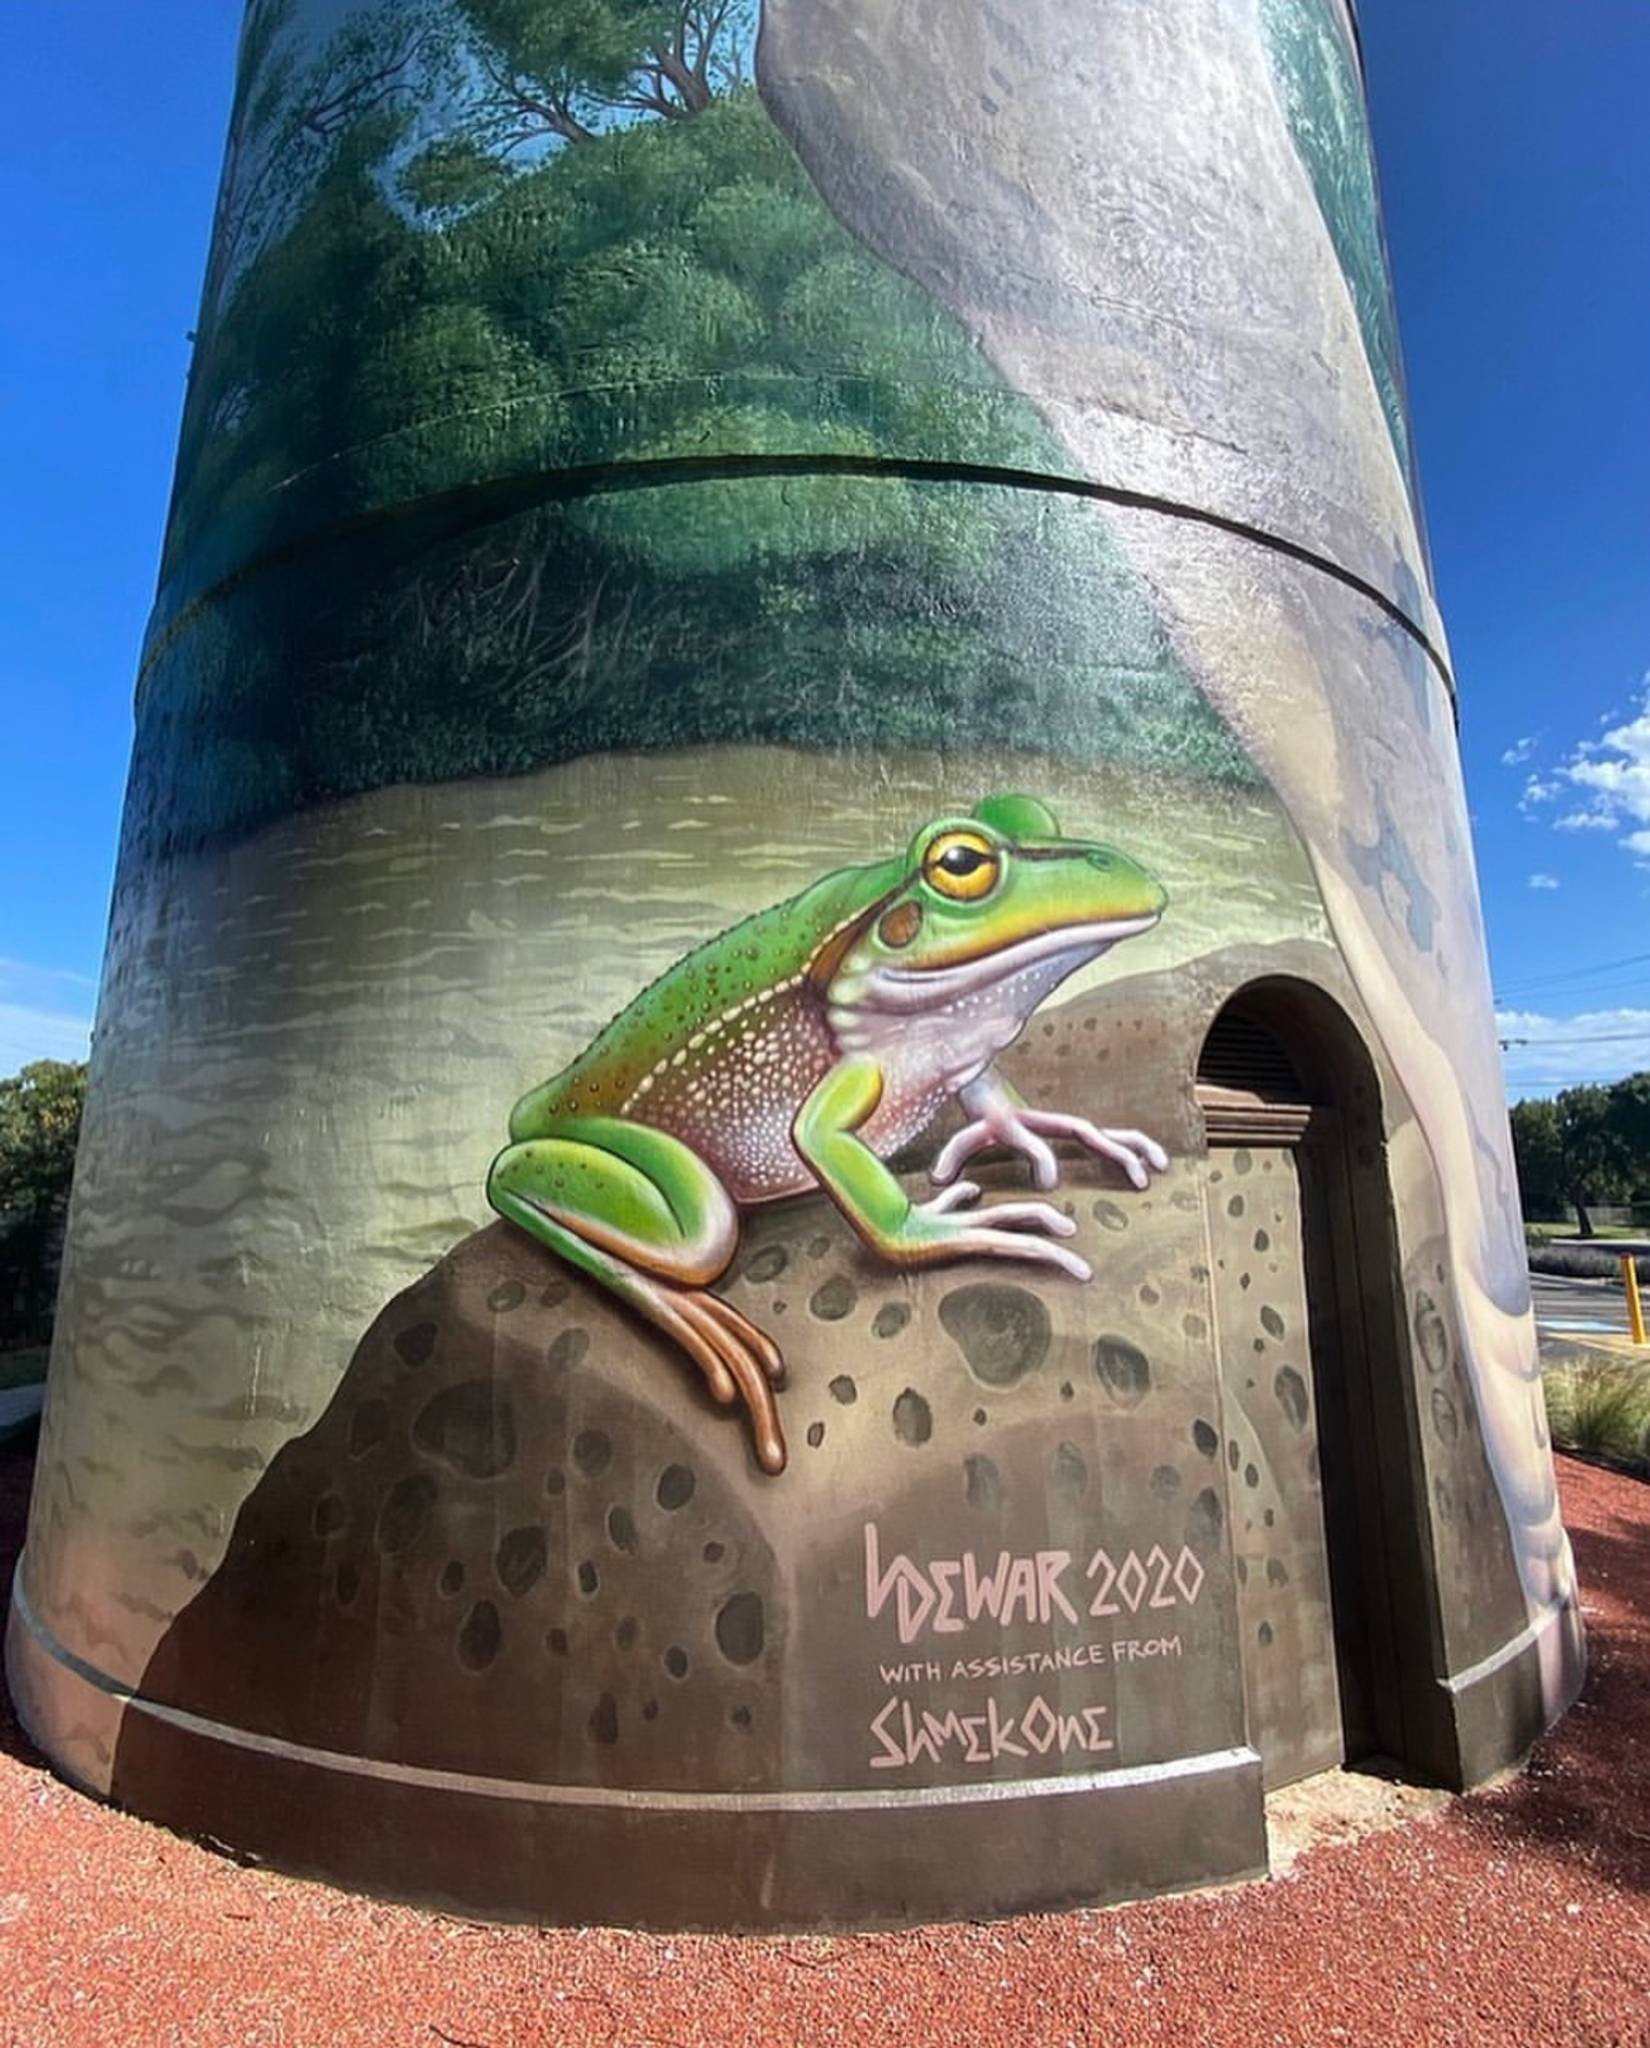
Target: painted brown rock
523,1541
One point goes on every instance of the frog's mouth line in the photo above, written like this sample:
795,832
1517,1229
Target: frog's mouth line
919,988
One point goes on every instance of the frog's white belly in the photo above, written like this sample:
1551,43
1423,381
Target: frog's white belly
929,1053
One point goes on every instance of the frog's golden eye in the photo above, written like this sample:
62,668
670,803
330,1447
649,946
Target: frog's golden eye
962,865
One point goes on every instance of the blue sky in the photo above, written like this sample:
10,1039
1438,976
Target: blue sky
1515,161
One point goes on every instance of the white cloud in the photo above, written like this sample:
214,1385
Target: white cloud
45,1014
1536,793
1613,775
1542,1053
1543,881
1520,751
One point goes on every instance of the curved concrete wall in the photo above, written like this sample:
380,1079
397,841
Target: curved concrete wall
641,471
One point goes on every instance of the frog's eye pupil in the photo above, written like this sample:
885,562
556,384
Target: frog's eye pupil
963,866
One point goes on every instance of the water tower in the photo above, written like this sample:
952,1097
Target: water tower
795,1209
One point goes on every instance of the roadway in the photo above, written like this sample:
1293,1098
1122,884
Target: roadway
1578,1308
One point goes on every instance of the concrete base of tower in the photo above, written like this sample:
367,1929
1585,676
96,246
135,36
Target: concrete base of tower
752,1862
1499,1708
756,1862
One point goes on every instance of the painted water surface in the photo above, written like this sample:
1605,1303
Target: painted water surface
309,1046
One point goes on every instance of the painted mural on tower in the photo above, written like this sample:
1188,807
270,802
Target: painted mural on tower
699,610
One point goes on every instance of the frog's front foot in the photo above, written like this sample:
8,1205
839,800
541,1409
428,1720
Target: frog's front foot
999,1121
949,1227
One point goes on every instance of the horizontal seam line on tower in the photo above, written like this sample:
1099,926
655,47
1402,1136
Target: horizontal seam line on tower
665,1799
662,471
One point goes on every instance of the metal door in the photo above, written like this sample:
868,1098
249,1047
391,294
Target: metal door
1285,1435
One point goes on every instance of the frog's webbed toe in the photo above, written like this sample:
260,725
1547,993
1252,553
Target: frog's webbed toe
739,1361
1005,1129
746,1332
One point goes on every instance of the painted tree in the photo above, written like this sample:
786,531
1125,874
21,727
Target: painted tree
607,256
292,108
569,70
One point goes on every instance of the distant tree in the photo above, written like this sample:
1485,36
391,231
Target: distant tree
1630,1121
39,1127
1585,1146
1538,1145
1596,1163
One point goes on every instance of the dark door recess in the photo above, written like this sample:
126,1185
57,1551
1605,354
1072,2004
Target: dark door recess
1278,1221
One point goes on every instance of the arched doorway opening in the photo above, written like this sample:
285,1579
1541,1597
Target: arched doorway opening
1332,1589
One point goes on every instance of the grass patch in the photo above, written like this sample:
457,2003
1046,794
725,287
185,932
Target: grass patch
1543,1233
1602,1410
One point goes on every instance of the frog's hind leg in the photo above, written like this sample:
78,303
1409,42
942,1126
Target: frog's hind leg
638,1212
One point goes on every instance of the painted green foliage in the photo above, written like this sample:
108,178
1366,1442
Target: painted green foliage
1316,71
495,240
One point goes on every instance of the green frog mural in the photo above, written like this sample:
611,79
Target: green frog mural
804,1048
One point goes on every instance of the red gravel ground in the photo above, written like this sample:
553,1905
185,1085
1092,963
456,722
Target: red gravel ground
1516,1916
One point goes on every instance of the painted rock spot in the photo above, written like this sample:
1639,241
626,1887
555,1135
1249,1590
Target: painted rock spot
1123,1370
834,1300
1002,1331
913,1418
471,1428
740,1628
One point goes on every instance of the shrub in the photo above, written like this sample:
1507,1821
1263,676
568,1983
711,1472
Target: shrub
1582,1262
1601,1410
